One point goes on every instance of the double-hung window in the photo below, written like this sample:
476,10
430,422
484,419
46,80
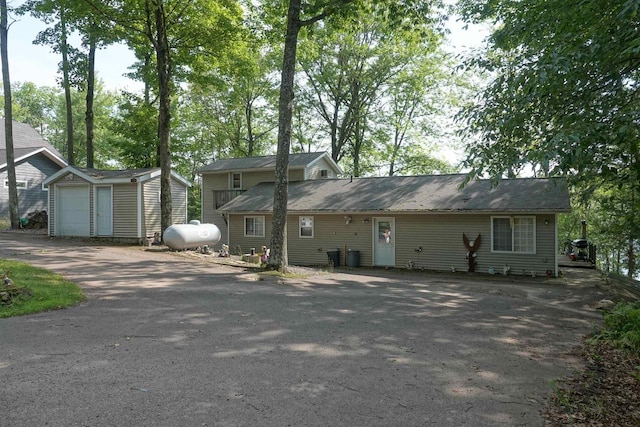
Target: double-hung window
254,226
306,227
513,234
235,180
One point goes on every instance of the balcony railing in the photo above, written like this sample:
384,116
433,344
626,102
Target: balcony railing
220,197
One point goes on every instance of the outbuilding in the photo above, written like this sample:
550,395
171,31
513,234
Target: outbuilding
119,204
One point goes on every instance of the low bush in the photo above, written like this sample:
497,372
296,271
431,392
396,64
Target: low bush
622,326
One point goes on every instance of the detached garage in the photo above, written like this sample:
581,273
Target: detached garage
121,204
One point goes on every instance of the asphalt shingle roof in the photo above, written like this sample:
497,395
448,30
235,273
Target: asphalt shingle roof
100,174
261,162
25,141
430,193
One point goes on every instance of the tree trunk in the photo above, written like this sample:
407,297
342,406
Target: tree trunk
631,260
278,259
164,115
8,117
64,49
90,95
248,113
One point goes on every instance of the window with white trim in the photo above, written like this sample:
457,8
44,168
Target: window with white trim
235,179
306,227
513,234
253,226
20,185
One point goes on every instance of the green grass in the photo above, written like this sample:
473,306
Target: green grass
50,291
287,275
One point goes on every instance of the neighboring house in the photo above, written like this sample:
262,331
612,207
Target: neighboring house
226,179
411,222
120,204
35,160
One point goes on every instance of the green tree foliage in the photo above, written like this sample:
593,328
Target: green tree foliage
57,14
238,110
35,105
564,98
136,124
375,85
188,40
565,94
44,108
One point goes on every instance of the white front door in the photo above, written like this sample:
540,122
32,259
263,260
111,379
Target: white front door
104,211
384,244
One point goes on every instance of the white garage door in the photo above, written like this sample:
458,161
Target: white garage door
72,211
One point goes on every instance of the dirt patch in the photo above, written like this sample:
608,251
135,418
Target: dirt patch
606,393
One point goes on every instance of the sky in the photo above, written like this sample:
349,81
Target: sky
37,64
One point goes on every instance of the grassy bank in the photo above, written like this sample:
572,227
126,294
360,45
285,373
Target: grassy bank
49,291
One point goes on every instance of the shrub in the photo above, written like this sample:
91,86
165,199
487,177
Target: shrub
622,326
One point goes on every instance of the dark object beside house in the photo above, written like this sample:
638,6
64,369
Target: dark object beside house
582,249
353,258
35,220
334,258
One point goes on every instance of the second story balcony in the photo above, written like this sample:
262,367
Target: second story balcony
220,197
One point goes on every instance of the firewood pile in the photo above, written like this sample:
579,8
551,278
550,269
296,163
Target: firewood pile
35,220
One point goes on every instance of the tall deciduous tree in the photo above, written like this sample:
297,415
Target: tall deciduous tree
8,115
56,12
278,259
565,94
565,97
376,86
188,39
297,18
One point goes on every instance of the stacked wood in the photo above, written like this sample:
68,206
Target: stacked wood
37,220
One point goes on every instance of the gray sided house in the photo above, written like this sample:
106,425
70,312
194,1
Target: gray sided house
225,179
35,160
118,204
411,222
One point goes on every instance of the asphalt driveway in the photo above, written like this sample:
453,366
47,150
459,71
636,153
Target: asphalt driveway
169,340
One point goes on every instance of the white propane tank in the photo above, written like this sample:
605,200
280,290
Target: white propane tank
192,235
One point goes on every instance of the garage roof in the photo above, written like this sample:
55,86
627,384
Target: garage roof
102,176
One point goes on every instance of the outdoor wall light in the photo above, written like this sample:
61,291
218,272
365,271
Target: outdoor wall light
365,221
546,221
347,219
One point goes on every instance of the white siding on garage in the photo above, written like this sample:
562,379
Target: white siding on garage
125,211
151,207
179,202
